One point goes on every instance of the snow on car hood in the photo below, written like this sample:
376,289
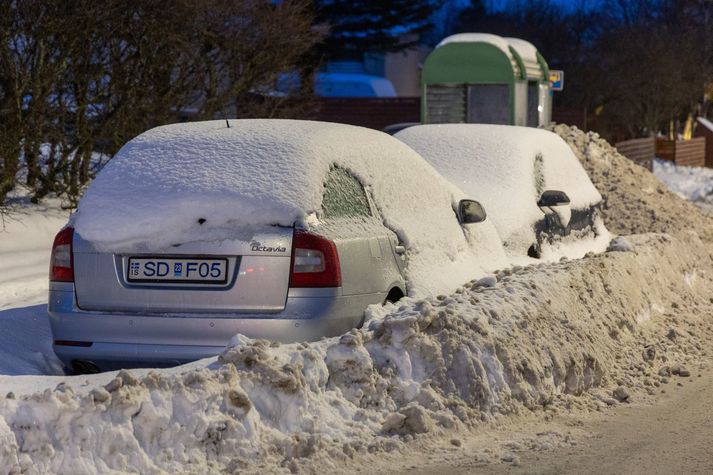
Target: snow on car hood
261,172
498,165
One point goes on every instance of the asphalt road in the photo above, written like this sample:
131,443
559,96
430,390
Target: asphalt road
673,436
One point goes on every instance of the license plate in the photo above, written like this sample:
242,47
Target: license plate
180,270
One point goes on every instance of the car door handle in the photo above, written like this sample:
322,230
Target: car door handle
400,250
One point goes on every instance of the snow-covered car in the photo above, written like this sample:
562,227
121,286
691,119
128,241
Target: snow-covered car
285,230
538,196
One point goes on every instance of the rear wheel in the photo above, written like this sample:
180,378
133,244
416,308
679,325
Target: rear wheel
394,295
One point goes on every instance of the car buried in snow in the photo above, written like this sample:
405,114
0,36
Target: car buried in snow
538,195
275,229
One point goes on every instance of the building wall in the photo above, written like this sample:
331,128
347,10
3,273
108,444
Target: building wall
403,69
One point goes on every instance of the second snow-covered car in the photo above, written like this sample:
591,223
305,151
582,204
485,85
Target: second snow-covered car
285,230
538,195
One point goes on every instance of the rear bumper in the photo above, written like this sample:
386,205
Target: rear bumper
134,339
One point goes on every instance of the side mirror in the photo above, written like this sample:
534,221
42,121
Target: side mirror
470,211
552,198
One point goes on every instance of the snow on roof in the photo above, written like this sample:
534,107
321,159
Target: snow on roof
495,164
706,123
528,54
494,40
525,49
353,85
262,171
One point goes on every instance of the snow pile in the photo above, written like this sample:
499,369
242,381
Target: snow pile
527,338
160,184
507,168
635,200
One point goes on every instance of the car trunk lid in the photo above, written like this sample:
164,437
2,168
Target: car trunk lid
227,276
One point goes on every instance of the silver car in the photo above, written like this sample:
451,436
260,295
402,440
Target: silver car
111,308
530,180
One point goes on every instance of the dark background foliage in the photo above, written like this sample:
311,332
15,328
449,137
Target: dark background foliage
632,66
79,78
82,77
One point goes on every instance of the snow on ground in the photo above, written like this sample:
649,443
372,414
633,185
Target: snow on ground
26,234
522,339
692,183
586,333
26,238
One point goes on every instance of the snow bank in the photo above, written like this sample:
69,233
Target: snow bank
636,201
261,172
527,338
506,168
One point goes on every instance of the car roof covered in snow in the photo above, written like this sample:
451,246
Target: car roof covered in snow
262,172
498,165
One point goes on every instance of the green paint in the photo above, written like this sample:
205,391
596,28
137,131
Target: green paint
544,66
520,63
467,63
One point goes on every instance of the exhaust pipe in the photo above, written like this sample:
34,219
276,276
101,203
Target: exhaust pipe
84,367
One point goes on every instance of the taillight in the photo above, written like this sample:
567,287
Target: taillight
315,262
61,265
85,344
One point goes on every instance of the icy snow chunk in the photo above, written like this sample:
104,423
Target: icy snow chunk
238,340
620,244
487,281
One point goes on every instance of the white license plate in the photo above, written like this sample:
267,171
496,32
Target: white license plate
182,270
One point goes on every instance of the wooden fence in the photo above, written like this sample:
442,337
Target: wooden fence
641,151
568,116
689,153
375,113
703,131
